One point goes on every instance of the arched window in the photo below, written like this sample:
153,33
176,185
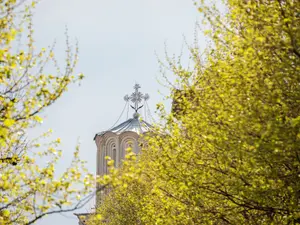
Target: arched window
114,154
127,143
105,161
110,151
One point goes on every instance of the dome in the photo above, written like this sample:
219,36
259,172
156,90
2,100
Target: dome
133,124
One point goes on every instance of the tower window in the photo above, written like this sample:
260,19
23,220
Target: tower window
114,155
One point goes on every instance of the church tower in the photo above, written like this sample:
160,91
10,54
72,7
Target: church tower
114,141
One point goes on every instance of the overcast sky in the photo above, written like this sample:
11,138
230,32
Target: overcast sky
118,40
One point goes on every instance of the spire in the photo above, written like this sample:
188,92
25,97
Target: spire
136,98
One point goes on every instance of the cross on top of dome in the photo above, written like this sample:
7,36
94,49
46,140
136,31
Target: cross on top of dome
136,98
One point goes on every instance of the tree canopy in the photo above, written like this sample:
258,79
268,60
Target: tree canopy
229,152
29,186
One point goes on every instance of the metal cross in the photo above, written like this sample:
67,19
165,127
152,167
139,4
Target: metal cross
136,97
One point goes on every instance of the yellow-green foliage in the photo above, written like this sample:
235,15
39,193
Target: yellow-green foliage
233,156
29,187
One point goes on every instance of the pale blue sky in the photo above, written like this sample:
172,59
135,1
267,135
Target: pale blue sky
118,40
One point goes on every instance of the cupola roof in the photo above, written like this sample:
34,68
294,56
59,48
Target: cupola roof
134,124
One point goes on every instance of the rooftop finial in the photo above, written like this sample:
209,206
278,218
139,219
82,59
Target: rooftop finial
136,98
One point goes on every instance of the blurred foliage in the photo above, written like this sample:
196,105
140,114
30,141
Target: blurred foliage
29,186
229,153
